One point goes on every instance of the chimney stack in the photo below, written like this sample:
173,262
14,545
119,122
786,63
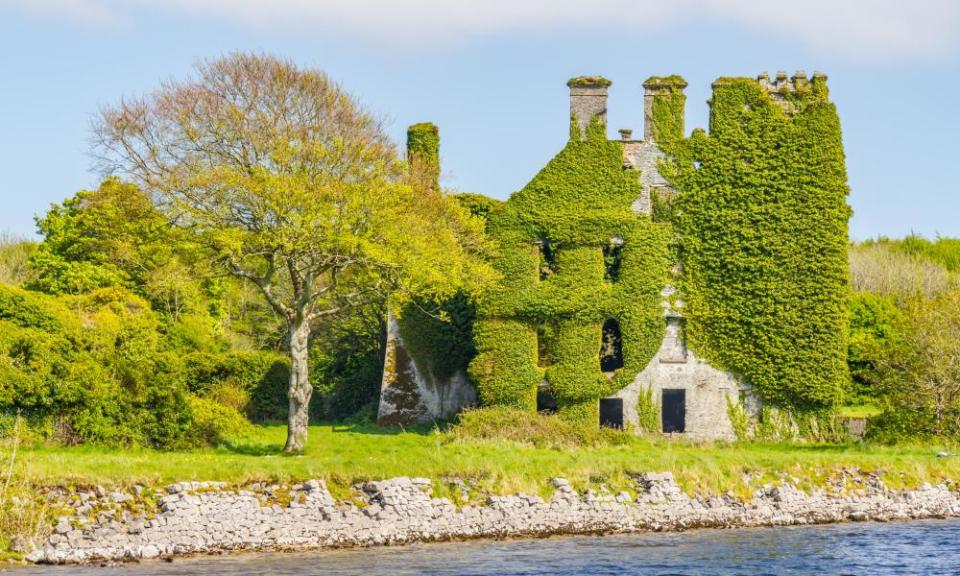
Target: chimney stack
664,105
588,103
423,153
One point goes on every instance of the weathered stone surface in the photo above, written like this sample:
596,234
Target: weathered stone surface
410,393
206,518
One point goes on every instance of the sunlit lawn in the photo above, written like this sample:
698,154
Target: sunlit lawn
348,454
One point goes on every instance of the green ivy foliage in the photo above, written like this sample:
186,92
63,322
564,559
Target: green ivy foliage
576,205
440,334
669,107
423,152
762,225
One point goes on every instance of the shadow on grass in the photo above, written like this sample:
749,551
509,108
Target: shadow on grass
373,429
253,446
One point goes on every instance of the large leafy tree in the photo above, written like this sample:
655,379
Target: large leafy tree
294,187
922,374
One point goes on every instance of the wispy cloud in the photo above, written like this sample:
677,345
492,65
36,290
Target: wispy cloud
853,29
92,13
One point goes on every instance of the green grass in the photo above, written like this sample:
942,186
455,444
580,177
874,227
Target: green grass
344,455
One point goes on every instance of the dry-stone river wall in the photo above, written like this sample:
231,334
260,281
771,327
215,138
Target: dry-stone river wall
190,518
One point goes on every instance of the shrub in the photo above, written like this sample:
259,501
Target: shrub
213,423
15,254
532,428
648,411
263,376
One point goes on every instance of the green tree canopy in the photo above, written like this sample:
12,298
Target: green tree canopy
295,187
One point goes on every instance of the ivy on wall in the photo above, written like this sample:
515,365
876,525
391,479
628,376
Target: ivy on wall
759,224
577,205
668,107
423,153
762,226
440,335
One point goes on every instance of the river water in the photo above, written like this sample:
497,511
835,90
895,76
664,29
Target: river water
904,548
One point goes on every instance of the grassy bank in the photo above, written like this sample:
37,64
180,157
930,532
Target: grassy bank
347,454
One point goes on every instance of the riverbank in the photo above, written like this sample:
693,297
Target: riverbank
911,548
96,490
516,461
201,518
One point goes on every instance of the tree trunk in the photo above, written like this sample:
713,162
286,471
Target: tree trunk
299,392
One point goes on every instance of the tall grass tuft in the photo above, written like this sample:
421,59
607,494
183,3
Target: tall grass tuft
25,516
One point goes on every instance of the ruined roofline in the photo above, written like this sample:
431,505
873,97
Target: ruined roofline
782,82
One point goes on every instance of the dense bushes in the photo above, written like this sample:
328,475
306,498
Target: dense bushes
88,368
904,353
95,368
540,430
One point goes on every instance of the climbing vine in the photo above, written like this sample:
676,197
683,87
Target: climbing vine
577,206
423,152
440,335
762,227
668,107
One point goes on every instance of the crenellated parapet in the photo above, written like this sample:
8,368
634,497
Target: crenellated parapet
783,87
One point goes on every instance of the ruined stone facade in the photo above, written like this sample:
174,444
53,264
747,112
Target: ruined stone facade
411,393
693,396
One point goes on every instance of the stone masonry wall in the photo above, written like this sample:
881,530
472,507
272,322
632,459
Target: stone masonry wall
411,393
206,517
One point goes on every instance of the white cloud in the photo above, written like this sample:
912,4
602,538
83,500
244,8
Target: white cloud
95,13
855,29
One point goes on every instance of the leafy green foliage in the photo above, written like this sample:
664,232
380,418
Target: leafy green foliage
88,368
347,363
944,251
648,411
875,325
577,205
762,221
423,153
589,81
478,204
440,334
504,423
668,107
921,375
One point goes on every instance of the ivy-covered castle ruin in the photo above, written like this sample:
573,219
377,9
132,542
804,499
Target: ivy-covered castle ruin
660,283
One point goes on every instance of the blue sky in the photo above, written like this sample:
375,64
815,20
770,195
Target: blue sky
492,75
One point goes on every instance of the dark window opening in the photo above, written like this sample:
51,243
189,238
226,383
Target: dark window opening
611,413
612,258
611,347
548,261
674,414
546,403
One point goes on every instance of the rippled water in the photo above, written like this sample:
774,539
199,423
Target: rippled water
928,547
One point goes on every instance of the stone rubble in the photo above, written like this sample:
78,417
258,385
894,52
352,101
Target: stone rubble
202,517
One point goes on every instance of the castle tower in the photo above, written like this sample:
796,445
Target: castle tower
588,101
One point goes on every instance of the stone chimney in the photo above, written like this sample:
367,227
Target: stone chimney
588,101
423,153
664,106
